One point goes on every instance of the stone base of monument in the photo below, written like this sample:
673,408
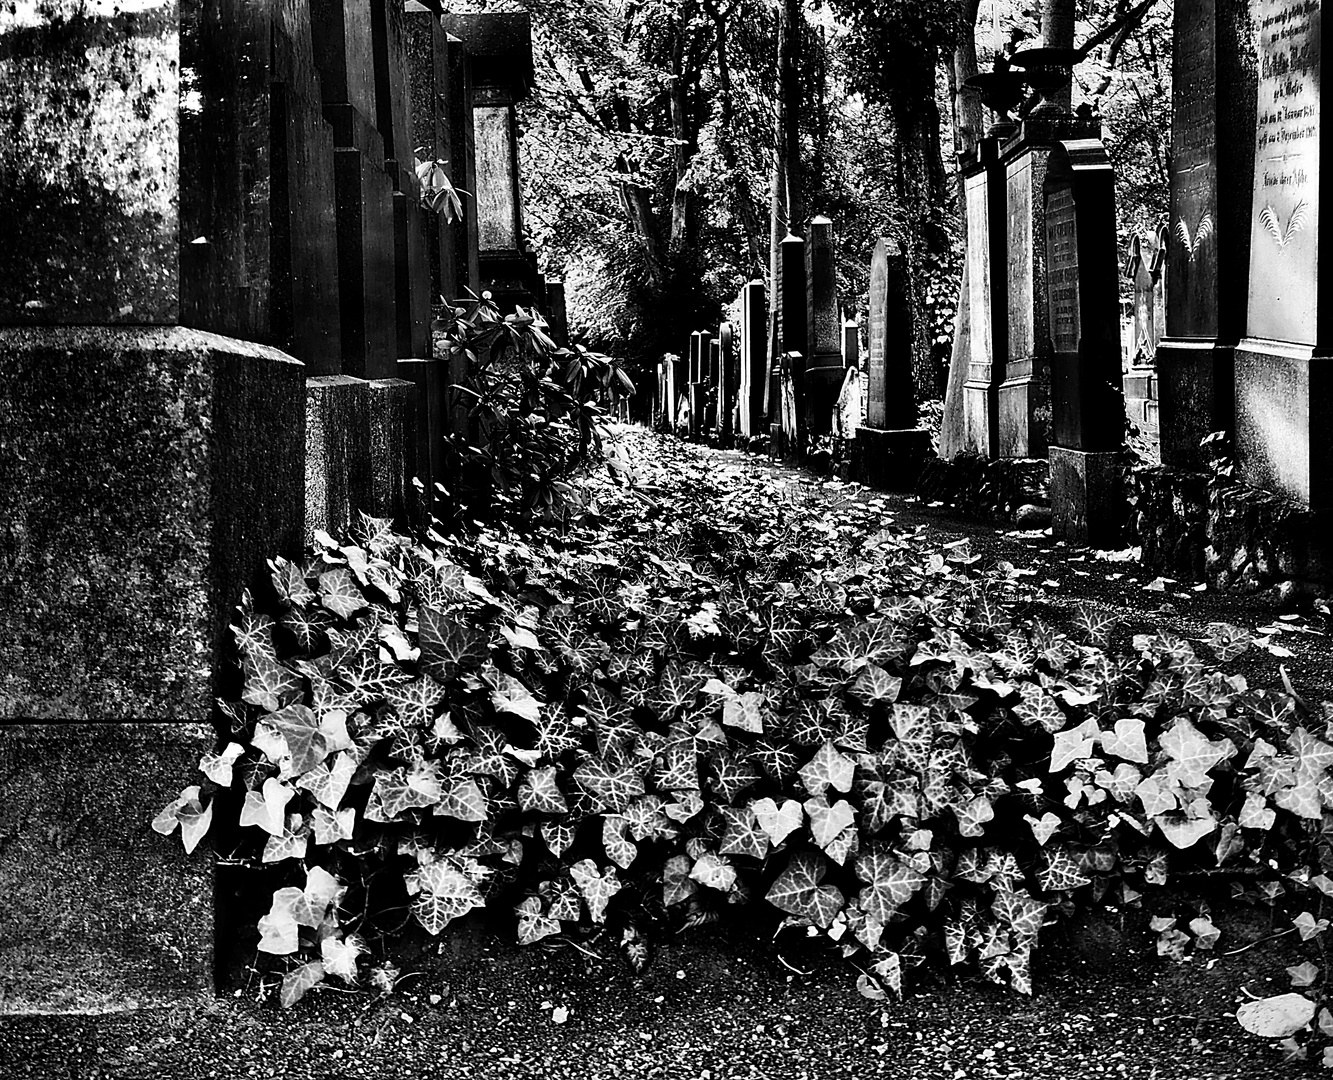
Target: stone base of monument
1025,409
100,913
1284,395
889,460
337,463
393,443
429,379
981,420
1195,381
1141,405
1087,496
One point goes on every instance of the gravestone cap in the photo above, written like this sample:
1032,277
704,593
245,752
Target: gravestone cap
500,45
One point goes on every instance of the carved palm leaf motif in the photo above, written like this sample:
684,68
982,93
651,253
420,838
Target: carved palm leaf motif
1283,235
1201,233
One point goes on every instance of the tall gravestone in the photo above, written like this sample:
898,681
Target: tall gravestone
1082,276
1212,187
889,450
713,387
698,385
147,470
986,298
1284,393
823,373
787,428
726,383
753,358
851,344
1145,270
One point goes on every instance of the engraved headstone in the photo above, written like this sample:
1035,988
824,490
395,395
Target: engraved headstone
1212,178
891,400
753,357
823,351
791,418
726,383
851,344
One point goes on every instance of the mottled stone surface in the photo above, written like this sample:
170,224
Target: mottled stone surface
367,270
337,455
823,349
1087,496
100,912
753,358
429,379
89,161
147,475
393,444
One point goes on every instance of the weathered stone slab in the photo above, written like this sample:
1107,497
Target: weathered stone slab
851,344
392,416
556,314
337,459
129,526
367,270
889,460
100,913
89,197
823,349
753,358
1087,496
429,379
891,400
344,50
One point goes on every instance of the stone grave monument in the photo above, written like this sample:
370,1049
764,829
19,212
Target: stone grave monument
726,384
753,358
1082,272
823,369
788,427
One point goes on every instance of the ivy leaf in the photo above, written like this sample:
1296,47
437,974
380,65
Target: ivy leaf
446,894
289,582
1076,744
890,972
1157,794
339,593
449,646
745,711
1039,709
1206,935
1312,755
889,883
266,808
611,784
296,983
329,828
328,783
1122,783
615,843
645,819
714,872
797,890
1302,799
1127,741
533,925
1307,926
558,836
732,775
340,955
778,822
1191,753
290,845
828,768
678,766
743,834
1059,871
1185,831
875,684
463,801
300,731
1043,828
1303,974
778,762
973,816
1256,814
827,822
511,696
217,766
268,683
416,702
538,792
677,885
596,889
1019,911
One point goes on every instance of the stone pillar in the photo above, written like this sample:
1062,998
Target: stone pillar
1082,272
698,384
728,377
987,300
428,75
753,358
789,422
499,47
889,450
556,313
1143,268
823,349
1212,195
851,344
147,470
1284,388
713,388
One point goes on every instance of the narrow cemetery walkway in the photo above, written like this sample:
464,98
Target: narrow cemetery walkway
722,1002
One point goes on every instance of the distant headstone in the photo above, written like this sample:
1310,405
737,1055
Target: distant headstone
753,358
1213,141
823,351
794,342
892,401
1283,398
556,313
726,383
1081,288
851,344
712,386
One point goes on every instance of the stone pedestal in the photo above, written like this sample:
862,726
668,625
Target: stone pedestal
147,473
392,415
889,460
1087,496
338,475
986,300
1212,190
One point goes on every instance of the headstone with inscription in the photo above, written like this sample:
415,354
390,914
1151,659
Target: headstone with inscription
1082,272
1212,185
726,383
698,384
1284,398
986,299
788,429
823,351
753,358
889,450
713,387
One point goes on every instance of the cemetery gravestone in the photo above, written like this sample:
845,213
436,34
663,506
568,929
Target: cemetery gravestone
851,344
986,339
753,358
1212,188
1087,503
713,387
1283,393
823,350
726,383
788,429
1144,269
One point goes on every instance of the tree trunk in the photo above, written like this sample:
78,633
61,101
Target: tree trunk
740,184
793,31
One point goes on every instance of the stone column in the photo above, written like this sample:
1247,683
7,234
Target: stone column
147,470
1284,392
1143,268
728,373
1212,184
1087,497
556,314
823,349
698,385
889,450
788,424
851,344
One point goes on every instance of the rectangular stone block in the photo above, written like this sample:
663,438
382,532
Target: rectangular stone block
429,379
367,274
412,286
337,455
100,913
344,52
393,443
889,460
147,476
1197,391
1087,496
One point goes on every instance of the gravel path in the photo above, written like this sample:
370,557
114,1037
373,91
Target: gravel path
723,1004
